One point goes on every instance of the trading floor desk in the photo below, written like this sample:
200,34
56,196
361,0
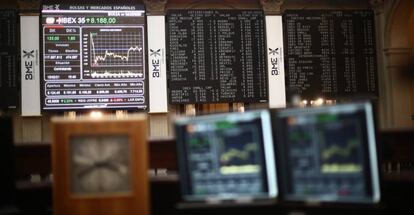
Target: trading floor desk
34,188
165,199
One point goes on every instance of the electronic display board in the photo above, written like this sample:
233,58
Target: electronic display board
327,154
330,53
216,56
93,57
8,59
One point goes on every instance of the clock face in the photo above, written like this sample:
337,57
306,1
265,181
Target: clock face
100,165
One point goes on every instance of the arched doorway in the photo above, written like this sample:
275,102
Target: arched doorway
398,97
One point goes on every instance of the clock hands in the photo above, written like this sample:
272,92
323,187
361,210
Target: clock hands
108,164
82,160
85,171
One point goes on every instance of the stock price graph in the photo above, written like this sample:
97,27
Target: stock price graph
239,158
116,48
341,148
335,151
113,53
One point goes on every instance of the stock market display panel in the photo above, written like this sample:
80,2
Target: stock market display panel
93,57
328,154
227,157
216,56
330,53
8,59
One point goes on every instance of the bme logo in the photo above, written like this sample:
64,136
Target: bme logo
274,61
51,7
28,54
274,51
28,64
155,53
155,62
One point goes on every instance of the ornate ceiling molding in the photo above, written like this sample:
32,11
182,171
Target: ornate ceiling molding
377,5
272,7
155,7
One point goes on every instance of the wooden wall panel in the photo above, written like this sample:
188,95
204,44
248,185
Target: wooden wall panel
8,4
326,4
46,129
216,4
17,127
412,102
159,125
32,129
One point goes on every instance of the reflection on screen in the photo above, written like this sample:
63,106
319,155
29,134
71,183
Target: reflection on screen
225,157
326,155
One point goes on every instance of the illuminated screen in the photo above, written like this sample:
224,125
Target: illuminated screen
216,56
93,57
328,154
9,59
226,156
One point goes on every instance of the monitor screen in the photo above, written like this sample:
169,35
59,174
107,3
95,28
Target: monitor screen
327,154
226,157
93,57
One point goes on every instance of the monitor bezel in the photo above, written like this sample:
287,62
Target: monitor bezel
269,159
370,154
63,8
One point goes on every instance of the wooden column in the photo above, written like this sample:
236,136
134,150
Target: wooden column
399,87
412,101
384,92
411,42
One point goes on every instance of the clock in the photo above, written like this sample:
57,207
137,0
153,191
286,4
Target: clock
100,165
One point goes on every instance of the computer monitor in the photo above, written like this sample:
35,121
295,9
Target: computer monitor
226,157
327,154
7,180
